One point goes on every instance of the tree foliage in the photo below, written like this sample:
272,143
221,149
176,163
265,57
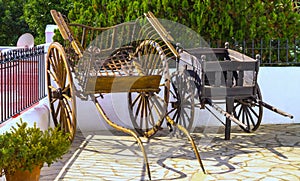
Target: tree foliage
212,19
12,25
240,19
37,16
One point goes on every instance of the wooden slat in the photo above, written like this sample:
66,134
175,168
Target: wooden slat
215,66
237,56
205,51
108,84
222,92
164,35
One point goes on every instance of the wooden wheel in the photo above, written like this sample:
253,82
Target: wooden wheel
148,109
61,90
184,92
249,111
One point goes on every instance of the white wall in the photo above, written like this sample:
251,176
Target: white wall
39,113
280,87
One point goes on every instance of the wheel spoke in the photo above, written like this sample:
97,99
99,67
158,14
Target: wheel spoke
251,119
243,114
157,105
247,118
176,116
53,76
57,111
240,111
150,113
53,63
236,105
68,113
53,100
138,110
135,100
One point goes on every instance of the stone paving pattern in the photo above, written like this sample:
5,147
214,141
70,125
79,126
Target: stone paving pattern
270,153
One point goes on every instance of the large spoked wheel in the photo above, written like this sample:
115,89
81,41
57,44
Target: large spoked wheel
249,111
148,109
184,94
61,90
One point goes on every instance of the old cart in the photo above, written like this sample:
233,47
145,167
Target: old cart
131,57
208,77
163,80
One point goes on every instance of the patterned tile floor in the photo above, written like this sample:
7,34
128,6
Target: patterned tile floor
271,153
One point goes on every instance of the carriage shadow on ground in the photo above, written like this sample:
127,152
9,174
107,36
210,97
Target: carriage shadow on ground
271,152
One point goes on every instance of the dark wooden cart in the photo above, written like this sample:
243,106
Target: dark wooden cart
219,76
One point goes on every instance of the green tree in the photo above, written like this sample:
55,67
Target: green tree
223,20
212,19
12,25
37,15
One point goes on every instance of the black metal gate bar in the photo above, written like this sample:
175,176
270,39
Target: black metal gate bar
22,80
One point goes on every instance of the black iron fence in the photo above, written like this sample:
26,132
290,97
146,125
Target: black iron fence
22,80
275,52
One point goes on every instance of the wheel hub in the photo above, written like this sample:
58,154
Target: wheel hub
176,104
58,94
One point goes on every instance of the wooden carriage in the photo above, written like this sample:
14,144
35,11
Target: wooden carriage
136,58
131,57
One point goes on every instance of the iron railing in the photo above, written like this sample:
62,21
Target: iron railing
275,52
22,80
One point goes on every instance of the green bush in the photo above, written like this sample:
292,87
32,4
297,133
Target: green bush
24,148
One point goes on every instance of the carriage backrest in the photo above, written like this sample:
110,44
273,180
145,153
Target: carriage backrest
80,36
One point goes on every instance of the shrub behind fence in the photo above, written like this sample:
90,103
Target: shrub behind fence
22,80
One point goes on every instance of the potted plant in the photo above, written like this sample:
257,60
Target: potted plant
25,149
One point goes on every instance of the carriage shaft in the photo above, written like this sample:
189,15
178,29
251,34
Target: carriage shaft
274,109
227,115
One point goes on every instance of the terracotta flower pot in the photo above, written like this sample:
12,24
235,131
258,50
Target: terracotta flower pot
26,175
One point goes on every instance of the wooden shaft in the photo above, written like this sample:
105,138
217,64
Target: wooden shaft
185,131
272,108
227,115
125,130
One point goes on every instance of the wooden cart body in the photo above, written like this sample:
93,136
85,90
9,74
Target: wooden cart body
227,75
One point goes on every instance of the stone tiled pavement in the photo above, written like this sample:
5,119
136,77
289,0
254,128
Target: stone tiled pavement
270,153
